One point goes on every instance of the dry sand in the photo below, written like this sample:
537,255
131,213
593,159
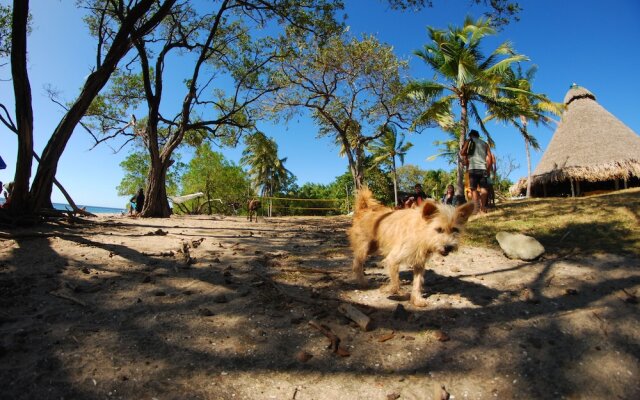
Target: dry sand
219,308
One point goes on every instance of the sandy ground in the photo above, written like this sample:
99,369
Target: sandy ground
219,308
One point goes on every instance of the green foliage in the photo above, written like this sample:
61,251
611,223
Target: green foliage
220,180
267,171
5,31
464,79
434,182
136,171
351,87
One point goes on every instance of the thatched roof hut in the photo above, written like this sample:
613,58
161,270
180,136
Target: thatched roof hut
590,150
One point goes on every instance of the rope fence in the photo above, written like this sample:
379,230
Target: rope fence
299,206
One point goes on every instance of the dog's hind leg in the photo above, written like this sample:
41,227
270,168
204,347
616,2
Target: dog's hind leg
359,256
393,269
416,291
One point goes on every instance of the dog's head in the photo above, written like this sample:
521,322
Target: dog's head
445,224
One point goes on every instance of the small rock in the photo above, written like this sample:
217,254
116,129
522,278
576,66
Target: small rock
85,270
519,246
393,396
441,336
387,336
303,356
221,298
205,312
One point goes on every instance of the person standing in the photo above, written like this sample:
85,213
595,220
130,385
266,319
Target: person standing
479,157
138,199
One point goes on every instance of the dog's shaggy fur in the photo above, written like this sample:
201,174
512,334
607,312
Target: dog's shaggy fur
406,238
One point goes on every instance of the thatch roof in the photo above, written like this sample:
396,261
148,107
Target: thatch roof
590,144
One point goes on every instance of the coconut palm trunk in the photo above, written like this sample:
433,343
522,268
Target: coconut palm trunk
523,120
464,122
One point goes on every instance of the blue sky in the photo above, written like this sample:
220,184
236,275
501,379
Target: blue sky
590,42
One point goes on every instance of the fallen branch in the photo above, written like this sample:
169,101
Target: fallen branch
65,296
363,321
335,340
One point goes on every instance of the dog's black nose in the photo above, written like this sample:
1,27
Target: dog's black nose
448,249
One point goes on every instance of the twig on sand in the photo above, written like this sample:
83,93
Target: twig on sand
603,324
335,340
286,293
65,296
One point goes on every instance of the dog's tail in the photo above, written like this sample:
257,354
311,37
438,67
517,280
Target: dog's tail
365,200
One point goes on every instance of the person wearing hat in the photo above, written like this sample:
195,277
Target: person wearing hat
478,155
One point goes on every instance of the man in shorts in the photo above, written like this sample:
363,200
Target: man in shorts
478,153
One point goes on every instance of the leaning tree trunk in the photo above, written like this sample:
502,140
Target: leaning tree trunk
24,112
42,185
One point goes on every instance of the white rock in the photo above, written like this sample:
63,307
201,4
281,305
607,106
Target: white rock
519,246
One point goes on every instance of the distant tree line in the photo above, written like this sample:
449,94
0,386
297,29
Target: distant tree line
355,88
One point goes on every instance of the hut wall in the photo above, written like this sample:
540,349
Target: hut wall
563,189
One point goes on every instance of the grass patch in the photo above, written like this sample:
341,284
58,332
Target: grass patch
607,223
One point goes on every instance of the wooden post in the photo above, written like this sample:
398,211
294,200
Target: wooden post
573,191
625,183
577,188
617,184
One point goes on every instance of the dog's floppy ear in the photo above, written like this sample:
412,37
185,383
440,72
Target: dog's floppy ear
429,209
464,212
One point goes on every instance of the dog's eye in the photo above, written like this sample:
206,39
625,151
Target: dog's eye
439,230
455,230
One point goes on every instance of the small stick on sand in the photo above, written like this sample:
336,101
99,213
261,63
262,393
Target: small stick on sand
68,297
363,321
335,340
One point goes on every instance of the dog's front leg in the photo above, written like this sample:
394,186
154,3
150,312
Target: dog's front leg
416,292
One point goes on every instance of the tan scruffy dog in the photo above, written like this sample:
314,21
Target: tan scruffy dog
406,238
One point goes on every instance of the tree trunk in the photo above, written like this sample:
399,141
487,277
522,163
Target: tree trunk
460,169
395,180
24,113
156,203
526,148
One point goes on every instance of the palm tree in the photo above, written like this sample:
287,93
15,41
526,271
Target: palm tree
385,150
529,107
464,78
266,170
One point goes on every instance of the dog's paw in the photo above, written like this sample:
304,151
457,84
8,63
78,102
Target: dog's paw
362,282
418,301
391,289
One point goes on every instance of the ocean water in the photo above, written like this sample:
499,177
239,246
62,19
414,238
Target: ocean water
91,209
